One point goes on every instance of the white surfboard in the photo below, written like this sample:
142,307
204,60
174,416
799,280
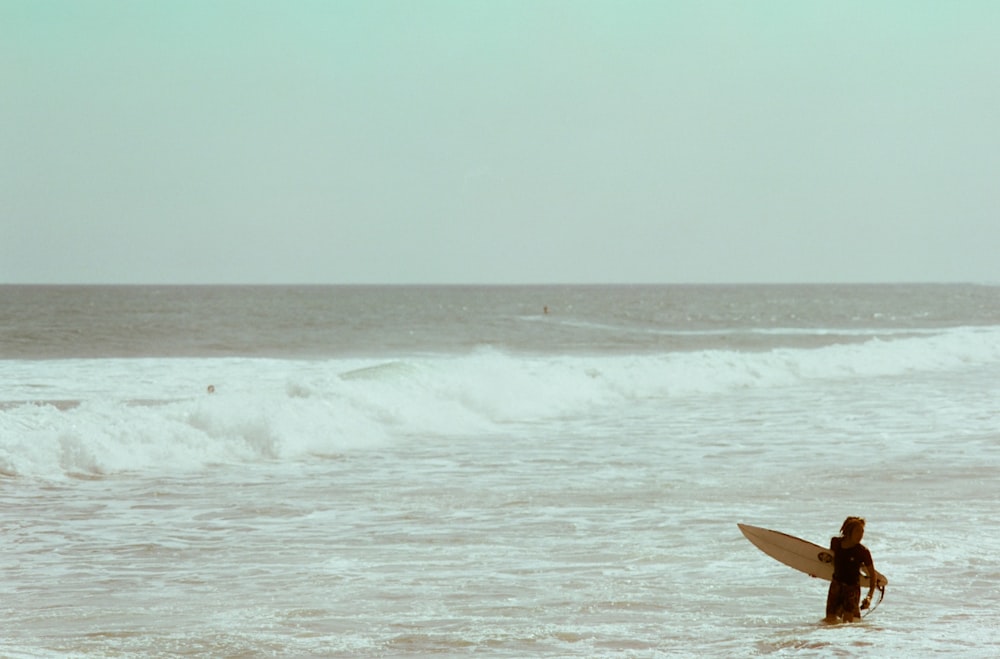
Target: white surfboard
804,556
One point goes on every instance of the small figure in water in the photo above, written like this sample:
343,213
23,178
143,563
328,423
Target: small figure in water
545,309
211,388
849,556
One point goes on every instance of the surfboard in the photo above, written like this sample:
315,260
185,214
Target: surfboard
804,556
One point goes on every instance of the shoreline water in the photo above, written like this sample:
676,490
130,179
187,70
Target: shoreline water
497,482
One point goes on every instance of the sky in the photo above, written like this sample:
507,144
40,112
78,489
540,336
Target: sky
499,141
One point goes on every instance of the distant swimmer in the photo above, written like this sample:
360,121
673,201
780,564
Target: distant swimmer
211,388
545,309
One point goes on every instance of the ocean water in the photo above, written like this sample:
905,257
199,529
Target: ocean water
498,471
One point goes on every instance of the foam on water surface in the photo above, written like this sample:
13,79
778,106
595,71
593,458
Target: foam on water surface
497,501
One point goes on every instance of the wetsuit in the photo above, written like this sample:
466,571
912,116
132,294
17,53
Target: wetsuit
845,589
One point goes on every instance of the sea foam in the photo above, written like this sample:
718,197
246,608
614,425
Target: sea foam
97,417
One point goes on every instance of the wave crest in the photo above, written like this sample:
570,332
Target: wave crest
275,410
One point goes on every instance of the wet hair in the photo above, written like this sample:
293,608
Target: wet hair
849,524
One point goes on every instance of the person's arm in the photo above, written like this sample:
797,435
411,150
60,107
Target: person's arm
872,579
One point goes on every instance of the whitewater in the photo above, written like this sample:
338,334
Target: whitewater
534,471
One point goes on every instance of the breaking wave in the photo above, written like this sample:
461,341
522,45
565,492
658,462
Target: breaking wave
91,418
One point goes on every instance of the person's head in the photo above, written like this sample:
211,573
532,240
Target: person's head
853,526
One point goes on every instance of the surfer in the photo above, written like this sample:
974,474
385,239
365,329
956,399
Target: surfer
849,556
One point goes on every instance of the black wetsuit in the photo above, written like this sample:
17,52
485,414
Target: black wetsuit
845,590
847,562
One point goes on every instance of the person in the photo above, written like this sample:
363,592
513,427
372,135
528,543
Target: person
849,556
211,388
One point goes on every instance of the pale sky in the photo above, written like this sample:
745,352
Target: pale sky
499,141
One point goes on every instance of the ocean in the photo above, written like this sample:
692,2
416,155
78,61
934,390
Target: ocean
524,471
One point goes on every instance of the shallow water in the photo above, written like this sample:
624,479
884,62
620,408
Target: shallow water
501,502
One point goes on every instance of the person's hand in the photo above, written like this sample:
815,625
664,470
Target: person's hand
865,602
